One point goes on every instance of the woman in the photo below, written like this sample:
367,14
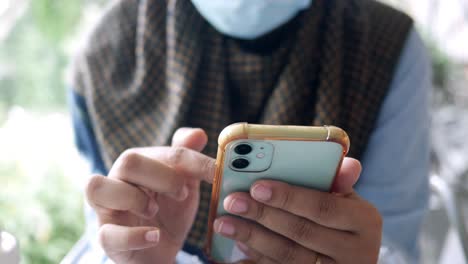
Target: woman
154,66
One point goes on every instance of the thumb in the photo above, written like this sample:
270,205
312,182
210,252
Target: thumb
192,138
347,176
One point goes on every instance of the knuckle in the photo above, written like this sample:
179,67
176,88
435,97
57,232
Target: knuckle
326,205
379,222
176,154
128,161
248,235
208,166
373,215
377,217
286,199
261,215
287,253
301,230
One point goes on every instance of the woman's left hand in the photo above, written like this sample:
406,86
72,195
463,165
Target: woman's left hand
281,223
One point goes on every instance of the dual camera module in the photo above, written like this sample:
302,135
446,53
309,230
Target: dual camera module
240,162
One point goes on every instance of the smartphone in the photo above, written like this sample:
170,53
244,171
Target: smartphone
300,155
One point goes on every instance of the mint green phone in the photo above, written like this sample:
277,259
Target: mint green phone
299,155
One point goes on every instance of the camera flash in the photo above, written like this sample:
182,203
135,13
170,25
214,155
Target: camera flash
261,155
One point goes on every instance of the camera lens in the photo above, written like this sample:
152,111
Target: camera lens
243,149
240,163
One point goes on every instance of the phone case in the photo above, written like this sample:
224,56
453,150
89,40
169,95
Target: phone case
300,155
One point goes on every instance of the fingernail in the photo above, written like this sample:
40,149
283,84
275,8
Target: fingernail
243,247
152,209
224,228
152,236
237,206
261,192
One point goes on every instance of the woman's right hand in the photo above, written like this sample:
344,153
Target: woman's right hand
147,204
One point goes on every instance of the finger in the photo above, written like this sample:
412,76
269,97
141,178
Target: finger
113,194
270,244
191,138
254,256
115,238
183,160
326,209
137,169
347,176
307,233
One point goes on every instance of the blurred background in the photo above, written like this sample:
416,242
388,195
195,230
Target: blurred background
41,174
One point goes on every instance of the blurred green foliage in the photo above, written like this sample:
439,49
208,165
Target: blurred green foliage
34,54
46,216
56,19
44,213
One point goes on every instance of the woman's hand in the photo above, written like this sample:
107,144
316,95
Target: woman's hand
148,202
281,223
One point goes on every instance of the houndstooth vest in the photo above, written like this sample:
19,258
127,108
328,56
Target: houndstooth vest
152,66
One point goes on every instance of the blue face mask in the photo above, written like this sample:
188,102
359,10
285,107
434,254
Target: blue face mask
248,19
